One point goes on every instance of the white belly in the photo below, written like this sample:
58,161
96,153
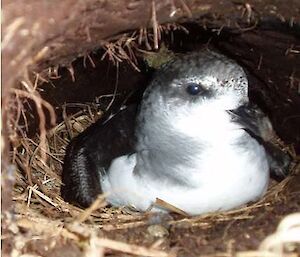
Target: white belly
224,178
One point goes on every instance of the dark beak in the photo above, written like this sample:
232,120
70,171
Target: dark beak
258,125
253,120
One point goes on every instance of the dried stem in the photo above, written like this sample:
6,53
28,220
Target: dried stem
40,103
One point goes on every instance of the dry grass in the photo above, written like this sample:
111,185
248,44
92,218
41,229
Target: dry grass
125,47
40,209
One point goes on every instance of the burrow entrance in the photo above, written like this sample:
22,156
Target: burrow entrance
268,51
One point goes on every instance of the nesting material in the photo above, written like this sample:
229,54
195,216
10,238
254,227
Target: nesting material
44,223
41,210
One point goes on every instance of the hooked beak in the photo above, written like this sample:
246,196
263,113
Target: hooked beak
253,120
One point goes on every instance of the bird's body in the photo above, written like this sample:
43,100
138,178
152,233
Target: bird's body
190,150
219,184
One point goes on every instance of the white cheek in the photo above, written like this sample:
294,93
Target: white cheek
208,121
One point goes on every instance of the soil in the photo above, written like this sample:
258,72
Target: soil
40,226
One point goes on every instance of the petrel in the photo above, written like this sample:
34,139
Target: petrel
194,142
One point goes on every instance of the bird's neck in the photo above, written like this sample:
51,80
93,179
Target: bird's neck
160,150
171,140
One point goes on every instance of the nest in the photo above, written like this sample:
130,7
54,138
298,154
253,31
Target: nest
42,224
41,210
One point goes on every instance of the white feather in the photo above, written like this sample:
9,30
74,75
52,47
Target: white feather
225,175
223,167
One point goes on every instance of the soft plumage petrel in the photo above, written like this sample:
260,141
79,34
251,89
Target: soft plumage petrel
197,143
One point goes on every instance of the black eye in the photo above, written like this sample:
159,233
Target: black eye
194,88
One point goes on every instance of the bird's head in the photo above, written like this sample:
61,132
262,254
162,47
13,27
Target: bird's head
193,93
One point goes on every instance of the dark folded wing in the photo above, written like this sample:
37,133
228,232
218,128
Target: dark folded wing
91,152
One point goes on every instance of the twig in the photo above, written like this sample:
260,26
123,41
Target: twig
39,102
40,194
155,25
95,205
72,72
126,248
115,89
186,9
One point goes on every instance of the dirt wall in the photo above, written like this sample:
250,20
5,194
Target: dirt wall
38,35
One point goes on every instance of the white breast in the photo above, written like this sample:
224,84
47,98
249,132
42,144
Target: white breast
224,165
228,178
